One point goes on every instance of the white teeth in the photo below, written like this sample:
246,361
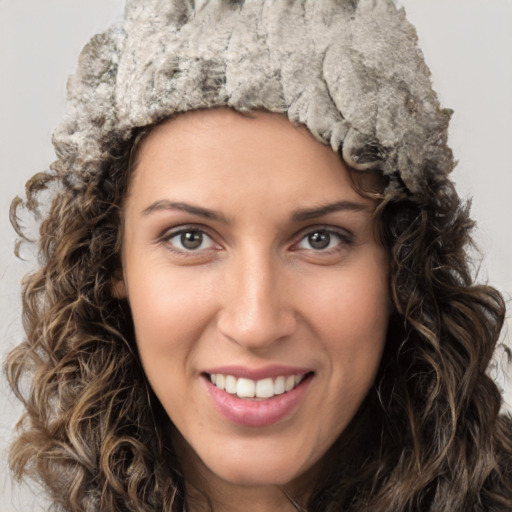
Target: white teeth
265,388
220,381
279,386
245,388
248,388
230,386
289,383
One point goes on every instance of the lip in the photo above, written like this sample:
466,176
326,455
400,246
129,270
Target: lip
257,413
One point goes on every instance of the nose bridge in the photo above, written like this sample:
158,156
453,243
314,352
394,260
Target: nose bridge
257,310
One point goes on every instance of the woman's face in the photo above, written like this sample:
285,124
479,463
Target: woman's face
258,292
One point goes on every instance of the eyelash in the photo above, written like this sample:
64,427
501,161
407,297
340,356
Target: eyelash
344,239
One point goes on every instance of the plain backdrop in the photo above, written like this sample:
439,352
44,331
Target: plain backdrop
467,43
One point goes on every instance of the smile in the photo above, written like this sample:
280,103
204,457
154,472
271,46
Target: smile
257,398
263,388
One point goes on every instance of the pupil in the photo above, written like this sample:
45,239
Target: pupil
319,240
191,239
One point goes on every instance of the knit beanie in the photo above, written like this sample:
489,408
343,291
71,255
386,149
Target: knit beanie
349,70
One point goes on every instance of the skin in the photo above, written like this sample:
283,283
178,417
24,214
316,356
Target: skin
254,292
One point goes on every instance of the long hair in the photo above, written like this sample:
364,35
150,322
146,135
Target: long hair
428,436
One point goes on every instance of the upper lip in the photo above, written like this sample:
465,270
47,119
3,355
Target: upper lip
264,372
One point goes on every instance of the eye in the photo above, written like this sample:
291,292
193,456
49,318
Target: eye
189,240
323,240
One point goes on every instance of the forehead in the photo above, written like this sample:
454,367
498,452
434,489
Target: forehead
218,154
222,127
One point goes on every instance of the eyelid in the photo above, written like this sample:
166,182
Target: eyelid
169,230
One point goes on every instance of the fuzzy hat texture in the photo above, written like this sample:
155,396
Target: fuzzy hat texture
349,70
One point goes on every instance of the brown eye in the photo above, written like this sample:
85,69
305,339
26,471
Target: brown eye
323,240
191,240
319,240
187,240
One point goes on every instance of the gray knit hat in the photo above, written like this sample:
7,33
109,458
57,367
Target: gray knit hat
350,70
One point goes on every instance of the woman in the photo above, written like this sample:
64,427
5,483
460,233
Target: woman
254,292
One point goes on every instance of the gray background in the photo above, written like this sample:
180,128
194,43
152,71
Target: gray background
467,43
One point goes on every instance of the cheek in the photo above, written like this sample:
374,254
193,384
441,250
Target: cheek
350,316
171,314
354,306
170,310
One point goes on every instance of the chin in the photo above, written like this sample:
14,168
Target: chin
249,477
254,470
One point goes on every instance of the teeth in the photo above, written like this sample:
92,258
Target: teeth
230,386
245,388
264,388
220,381
279,388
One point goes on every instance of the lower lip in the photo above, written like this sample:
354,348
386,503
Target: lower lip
256,413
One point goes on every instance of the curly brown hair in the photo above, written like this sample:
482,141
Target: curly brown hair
428,437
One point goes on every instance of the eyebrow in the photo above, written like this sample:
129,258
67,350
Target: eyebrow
199,211
300,215
313,213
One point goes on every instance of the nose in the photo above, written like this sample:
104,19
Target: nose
257,309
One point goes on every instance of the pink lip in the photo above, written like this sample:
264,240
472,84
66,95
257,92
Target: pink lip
255,413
